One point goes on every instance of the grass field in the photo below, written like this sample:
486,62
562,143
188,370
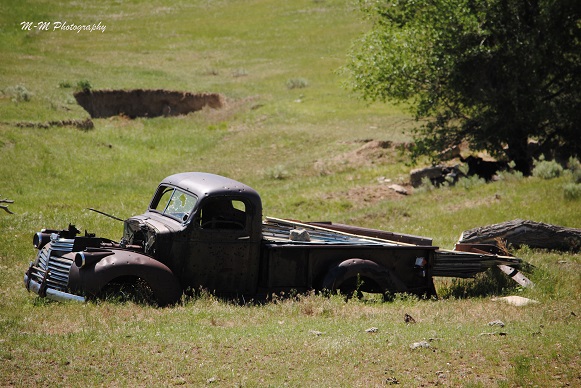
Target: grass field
303,148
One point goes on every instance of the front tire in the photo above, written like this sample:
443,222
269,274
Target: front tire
129,290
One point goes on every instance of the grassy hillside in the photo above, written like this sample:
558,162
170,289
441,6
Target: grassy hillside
305,149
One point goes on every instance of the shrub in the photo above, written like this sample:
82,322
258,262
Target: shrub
84,86
468,182
575,167
19,93
240,73
426,185
547,169
510,176
297,83
577,176
572,191
277,172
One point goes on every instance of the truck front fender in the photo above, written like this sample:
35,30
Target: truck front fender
344,275
121,264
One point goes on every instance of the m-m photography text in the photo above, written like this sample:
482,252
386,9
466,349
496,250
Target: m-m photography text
62,26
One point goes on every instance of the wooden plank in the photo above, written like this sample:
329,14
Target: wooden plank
382,234
516,275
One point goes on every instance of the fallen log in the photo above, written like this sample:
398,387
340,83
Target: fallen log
523,232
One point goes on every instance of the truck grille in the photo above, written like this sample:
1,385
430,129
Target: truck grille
49,259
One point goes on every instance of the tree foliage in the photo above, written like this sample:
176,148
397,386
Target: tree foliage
496,73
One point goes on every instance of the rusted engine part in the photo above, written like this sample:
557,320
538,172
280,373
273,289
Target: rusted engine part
145,103
524,232
67,262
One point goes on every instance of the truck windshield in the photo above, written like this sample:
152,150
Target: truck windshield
173,203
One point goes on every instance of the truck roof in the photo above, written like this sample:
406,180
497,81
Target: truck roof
204,184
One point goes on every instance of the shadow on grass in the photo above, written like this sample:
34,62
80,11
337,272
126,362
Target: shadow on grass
492,282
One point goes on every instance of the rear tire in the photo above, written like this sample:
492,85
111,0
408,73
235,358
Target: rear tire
354,276
351,288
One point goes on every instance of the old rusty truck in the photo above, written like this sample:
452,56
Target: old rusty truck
205,231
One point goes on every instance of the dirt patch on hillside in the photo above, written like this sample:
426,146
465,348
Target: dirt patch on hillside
368,153
361,196
145,103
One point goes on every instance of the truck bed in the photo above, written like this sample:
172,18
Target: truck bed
464,263
277,230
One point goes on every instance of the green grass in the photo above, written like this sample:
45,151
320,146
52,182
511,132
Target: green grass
298,147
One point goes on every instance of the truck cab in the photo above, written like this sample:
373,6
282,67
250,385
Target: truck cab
206,228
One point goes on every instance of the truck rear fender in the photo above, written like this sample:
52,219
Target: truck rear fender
362,269
126,264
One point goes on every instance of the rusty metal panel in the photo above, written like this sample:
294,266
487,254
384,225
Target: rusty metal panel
287,267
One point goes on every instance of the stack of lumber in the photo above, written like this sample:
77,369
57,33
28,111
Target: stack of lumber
467,265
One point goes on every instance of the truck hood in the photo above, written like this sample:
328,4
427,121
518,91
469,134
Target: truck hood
152,231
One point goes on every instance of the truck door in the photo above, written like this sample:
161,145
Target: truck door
224,255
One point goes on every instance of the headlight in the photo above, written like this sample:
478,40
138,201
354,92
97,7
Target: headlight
89,257
41,238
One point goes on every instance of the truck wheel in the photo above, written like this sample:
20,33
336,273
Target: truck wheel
352,287
354,276
133,290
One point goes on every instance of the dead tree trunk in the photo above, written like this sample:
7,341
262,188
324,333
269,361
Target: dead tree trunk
523,232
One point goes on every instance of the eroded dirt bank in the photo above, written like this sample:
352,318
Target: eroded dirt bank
145,103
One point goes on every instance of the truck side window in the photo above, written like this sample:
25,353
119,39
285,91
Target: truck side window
223,214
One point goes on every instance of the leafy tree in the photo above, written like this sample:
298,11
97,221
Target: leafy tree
496,73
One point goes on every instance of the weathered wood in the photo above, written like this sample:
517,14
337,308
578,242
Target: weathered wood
523,232
516,275
5,207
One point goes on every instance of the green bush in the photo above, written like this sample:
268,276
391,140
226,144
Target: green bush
575,167
510,176
277,172
84,86
572,191
468,182
19,93
547,169
297,83
240,73
426,185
